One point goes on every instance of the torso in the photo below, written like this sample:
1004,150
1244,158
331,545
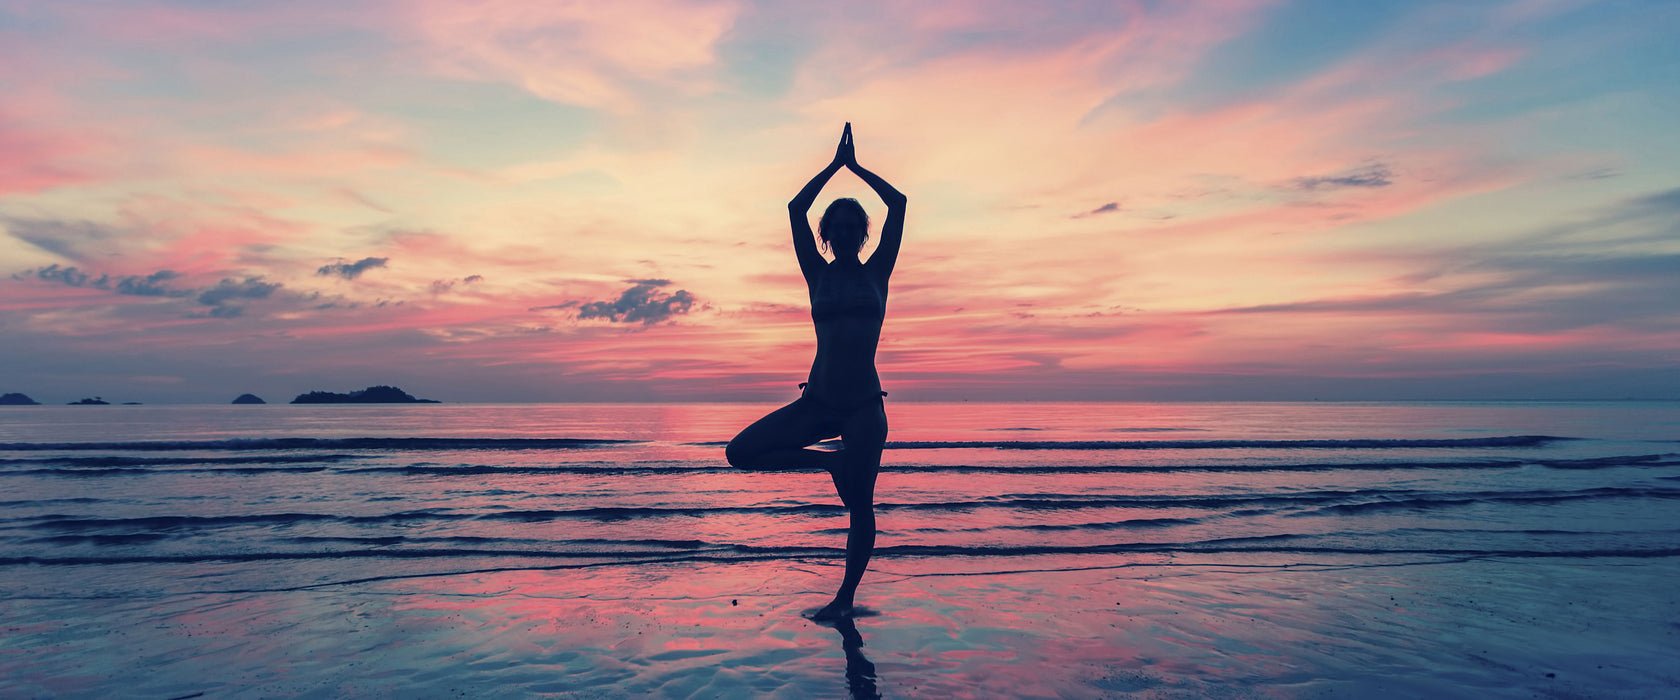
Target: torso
847,306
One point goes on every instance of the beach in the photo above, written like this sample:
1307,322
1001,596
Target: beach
1545,629
1056,550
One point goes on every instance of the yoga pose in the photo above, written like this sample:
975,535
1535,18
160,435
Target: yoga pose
842,397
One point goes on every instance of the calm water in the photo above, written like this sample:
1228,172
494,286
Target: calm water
152,500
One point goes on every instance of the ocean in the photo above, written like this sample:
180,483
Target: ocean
150,507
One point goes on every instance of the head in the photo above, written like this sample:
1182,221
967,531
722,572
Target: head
844,227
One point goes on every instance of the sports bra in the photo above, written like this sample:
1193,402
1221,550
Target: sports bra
846,296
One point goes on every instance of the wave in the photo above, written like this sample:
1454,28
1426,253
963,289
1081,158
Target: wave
1455,500
203,522
130,465
1662,460
1275,544
1356,443
1346,444
139,466
104,540
44,501
410,539
128,471
1133,524
889,468
352,443
607,546
119,461
1317,503
1111,430
111,465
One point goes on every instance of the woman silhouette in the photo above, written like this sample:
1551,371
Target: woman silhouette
842,397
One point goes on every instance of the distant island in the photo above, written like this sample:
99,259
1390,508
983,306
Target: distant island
95,401
253,398
372,394
17,400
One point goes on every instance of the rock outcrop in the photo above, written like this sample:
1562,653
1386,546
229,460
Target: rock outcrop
372,394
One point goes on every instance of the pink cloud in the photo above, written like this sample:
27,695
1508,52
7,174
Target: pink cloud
34,161
1257,200
162,23
590,54
41,146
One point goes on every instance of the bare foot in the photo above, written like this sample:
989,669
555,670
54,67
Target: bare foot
833,611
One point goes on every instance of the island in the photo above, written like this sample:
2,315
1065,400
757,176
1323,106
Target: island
15,399
95,401
372,394
250,398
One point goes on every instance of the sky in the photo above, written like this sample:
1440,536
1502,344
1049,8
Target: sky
499,201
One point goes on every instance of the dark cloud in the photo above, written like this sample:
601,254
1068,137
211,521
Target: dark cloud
1377,175
220,298
1595,174
1108,208
1665,202
353,270
66,239
642,303
150,285
132,285
555,307
62,275
442,286
229,289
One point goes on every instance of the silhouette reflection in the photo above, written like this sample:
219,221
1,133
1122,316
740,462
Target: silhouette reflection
860,672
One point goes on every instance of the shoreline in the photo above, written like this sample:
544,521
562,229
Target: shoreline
1600,628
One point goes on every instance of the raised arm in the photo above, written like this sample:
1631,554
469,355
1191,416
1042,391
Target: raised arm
811,262
892,231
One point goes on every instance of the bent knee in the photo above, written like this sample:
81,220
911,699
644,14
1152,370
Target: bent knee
737,454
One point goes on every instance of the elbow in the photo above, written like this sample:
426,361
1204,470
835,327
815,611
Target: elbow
898,201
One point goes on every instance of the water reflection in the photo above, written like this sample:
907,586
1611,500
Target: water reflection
860,672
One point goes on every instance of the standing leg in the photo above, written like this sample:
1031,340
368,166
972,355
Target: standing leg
865,433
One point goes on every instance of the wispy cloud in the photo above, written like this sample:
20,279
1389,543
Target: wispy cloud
1375,175
1108,208
69,239
444,286
608,56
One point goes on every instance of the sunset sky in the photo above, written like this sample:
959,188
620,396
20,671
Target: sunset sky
530,201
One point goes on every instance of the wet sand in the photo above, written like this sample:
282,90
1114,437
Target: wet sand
1602,628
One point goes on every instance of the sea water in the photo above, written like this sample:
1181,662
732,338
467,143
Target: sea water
125,501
